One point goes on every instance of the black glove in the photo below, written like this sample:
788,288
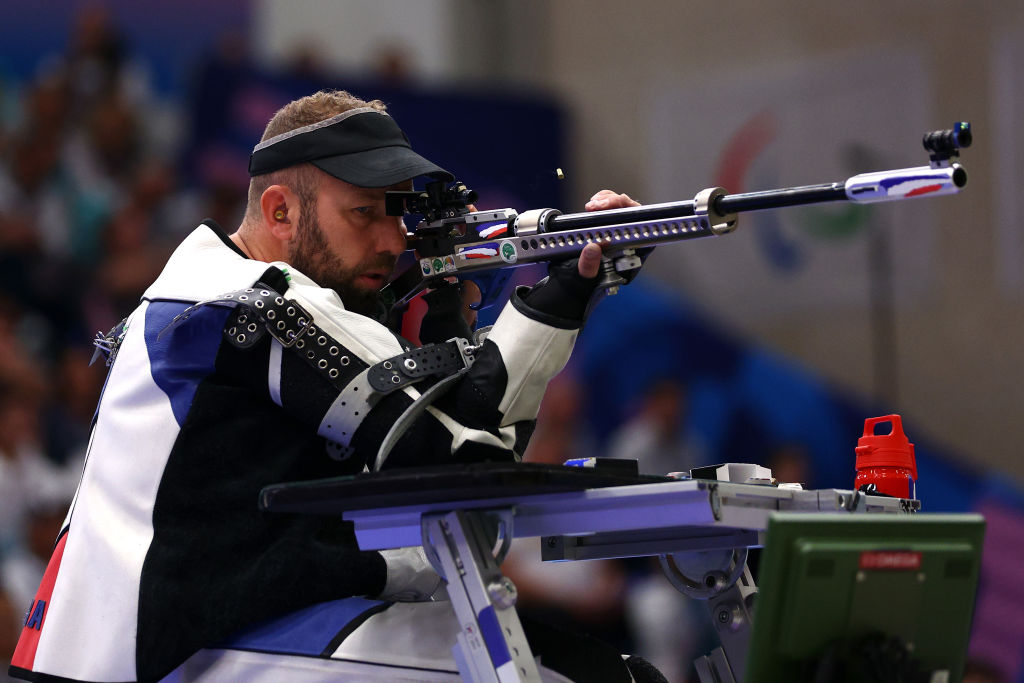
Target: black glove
564,293
444,319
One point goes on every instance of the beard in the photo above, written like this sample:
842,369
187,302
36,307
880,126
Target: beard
310,255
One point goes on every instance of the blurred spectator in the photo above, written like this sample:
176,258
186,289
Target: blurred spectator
790,463
34,207
586,597
44,109
22,568
67,419
43,215
305,62
981,671
392,64
561,432
99,63
34,496
25,473
154,195
223,203
671,630
132,252
657,435
101,160
20,372
631,604
748,440
10,629
130,260
39,211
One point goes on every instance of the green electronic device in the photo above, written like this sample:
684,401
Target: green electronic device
844,597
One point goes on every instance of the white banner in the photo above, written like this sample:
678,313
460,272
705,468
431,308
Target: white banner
803,124
1007,88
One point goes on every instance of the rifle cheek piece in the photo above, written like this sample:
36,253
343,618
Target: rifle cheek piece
533,221
704,209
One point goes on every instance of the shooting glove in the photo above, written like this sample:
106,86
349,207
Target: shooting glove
444,319
410,577
564,293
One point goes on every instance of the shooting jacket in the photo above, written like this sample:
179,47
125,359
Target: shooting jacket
164,550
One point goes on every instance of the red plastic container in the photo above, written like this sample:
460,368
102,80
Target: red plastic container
886,460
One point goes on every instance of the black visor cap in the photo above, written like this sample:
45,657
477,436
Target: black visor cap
363,147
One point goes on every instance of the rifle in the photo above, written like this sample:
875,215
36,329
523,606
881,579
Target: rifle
452,241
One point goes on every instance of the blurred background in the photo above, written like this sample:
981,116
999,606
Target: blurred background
124,123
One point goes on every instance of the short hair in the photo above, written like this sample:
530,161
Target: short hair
303,178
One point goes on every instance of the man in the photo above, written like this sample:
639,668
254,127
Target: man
247,364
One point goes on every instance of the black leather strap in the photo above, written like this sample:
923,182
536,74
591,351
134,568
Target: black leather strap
264,311
434,359
261,310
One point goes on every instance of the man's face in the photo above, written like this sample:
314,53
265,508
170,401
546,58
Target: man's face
346,242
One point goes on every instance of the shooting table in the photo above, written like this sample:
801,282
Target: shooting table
465,517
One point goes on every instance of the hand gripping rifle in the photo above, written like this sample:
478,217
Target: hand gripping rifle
452,241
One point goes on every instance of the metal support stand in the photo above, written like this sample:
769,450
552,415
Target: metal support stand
730,613
724,581
491,646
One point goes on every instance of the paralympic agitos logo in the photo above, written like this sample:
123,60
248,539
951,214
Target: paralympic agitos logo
777,233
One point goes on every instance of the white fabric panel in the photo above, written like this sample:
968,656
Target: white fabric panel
368,339
460,434
409,634
274,371
111,523
410,575
405,634
409,641
533,353
239,666
203,252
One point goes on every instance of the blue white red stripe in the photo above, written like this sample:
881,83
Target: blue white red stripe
481,251
492,230
25,652
910,187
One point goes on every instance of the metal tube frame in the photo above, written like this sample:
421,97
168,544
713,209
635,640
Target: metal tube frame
491,646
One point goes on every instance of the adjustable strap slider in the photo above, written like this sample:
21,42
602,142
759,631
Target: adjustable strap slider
263,307
434,359
288,323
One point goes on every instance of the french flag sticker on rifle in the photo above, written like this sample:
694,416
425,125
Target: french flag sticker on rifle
489,250
488,231
910,186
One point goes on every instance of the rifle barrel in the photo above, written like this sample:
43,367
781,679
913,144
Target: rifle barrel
730,203
863,188
774,199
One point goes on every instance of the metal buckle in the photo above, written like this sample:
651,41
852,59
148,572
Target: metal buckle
282,335
466,349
